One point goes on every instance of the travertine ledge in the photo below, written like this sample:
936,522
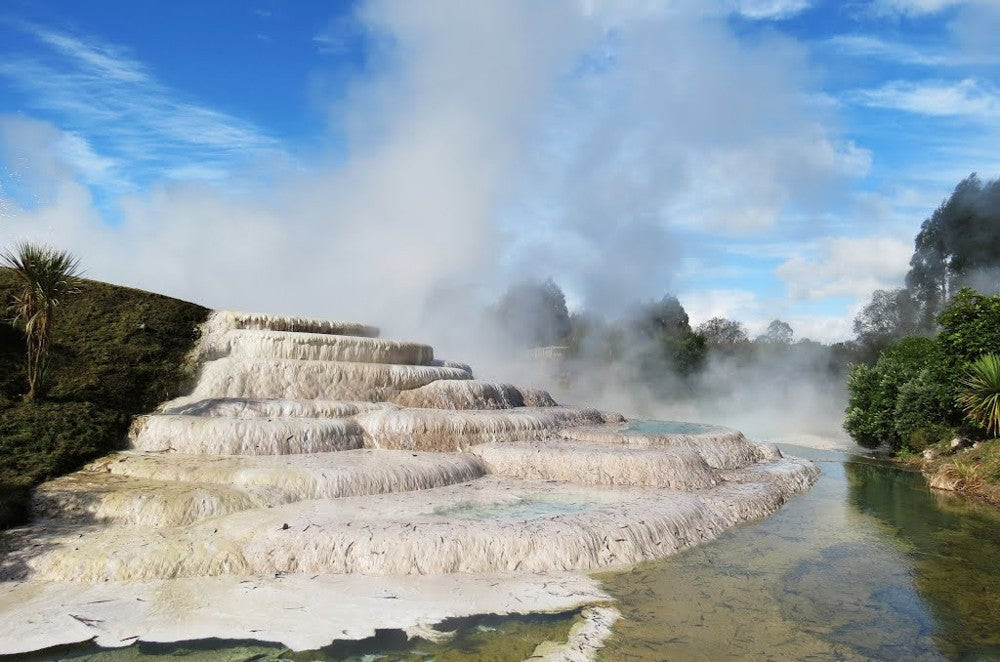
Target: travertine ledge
315,459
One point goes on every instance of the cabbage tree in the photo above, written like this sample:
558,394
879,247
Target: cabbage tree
979,393
45,276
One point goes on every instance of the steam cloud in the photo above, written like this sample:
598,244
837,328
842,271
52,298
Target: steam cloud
499,140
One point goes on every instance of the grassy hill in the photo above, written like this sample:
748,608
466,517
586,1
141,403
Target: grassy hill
116,352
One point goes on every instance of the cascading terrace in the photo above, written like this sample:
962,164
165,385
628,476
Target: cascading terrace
315,448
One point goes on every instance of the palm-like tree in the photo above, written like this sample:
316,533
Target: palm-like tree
979,392
45,276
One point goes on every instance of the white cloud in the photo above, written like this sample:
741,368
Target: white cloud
871,46
965,98
846,266
703,305
916,7
769,9
823,328
674,123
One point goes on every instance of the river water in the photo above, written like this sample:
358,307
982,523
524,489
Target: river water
869,564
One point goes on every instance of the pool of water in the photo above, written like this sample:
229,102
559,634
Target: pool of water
869,564
522,509
669,427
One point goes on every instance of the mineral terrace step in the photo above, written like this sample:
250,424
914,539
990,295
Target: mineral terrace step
598,464
306,380
224,320
157,489
722,448
213,435
267,344
254,408
455,430
473,394
492,524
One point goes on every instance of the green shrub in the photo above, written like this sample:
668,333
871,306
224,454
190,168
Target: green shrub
903,392
863,419
979,393
970,327
923,402
928,435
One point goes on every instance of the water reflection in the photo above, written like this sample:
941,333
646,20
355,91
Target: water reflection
868,565
954,546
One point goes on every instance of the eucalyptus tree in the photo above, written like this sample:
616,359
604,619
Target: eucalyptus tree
45,276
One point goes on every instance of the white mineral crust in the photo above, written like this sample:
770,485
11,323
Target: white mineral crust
320,483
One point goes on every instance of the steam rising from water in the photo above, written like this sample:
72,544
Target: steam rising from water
489,141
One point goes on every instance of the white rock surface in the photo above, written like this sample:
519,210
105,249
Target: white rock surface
291,497
472,394
303,612
166,489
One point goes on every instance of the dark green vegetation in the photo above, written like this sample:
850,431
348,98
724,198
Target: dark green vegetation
114,352
931,372
979,393
912,396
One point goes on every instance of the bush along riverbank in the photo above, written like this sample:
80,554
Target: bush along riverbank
935,402
114,352
972,468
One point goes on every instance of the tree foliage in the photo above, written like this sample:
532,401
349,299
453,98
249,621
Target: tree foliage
979,393
45,276
957,247
890,316
534,314
777,333
970,327
722,332
665,317
903,392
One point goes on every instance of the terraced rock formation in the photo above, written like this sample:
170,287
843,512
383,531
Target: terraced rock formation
311,448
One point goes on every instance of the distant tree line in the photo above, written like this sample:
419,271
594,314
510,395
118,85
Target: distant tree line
918,369
652,342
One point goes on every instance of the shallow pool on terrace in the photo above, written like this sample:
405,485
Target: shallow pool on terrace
669,427
523,509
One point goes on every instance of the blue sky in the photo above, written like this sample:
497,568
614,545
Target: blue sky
760,158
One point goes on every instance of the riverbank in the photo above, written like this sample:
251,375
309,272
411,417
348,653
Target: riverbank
972,471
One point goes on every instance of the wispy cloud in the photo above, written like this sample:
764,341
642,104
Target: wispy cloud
870,46
966,98
916,7
770,9
140,128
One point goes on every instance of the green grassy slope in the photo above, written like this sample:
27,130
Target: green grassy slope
116,352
